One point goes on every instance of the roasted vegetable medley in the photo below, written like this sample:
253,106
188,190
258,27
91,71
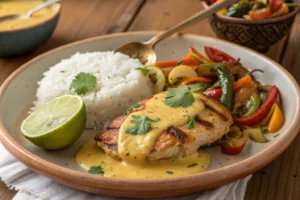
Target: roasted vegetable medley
257,9
255,107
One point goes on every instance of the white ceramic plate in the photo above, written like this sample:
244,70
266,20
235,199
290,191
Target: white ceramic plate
18,91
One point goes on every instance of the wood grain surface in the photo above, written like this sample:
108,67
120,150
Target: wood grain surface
83,19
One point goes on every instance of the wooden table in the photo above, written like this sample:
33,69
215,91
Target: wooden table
89,18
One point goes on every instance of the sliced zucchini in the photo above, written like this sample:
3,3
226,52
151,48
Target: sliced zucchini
256,134
158,78
180,72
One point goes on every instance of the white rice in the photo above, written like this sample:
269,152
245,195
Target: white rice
119,85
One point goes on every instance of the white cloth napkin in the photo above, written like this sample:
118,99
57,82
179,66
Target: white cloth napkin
32,186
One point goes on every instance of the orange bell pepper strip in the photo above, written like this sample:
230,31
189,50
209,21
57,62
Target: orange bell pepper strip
166,64
242,82
267,117
276,120
189,60
198,56
194,80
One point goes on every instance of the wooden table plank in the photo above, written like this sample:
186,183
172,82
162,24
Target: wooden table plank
2,188
8,194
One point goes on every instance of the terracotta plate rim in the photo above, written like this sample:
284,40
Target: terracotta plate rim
88,182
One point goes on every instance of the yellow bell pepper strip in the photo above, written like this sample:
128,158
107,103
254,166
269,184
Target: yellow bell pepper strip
198,56
267,117
276,120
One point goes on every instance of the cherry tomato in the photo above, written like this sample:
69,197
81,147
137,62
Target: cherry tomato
275,5
232,150
260,14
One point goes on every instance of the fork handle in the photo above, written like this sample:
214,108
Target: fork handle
190,21
44,5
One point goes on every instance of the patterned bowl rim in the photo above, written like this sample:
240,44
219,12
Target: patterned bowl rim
245,21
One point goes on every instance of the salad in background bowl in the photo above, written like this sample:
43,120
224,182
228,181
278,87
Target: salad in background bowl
254,24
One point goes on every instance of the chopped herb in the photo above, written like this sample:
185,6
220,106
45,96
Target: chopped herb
181,96
96,170
131,108
191,122
193,165
143,70
83,83
276,135
127,154
169,172
142,125
265,131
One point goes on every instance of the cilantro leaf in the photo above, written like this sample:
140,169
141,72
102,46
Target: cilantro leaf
131,108
143,70
169,172
181,96
83,83
96,170
142,125
191,122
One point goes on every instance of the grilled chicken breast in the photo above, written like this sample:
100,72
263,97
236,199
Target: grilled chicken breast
210,124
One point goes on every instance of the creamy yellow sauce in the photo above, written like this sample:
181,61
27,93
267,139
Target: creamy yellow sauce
136,148
91,155
22,7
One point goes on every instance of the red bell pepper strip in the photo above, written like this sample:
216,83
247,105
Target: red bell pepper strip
232,150
217,55
262,111
214,93
260,14
275,5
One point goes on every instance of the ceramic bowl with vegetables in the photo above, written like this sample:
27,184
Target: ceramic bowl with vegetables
253,23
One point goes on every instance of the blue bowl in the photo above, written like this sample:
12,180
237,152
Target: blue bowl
20,41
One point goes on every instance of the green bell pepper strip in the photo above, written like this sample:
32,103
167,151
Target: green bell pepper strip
254,104
226,85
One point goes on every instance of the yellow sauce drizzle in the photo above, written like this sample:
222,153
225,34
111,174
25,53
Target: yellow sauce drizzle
139,146
91,155
22,7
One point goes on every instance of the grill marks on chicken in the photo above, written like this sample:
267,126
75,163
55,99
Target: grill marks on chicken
210,125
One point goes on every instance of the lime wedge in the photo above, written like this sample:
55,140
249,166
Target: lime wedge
56,124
